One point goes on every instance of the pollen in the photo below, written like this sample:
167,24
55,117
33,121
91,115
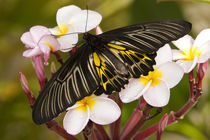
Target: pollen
87,102
62,30
152,76
190,53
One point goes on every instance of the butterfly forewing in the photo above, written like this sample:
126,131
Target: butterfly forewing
105,63
149,36
76,79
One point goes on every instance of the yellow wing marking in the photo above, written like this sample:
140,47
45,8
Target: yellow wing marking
100,68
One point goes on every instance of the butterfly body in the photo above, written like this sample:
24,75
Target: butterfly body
105,63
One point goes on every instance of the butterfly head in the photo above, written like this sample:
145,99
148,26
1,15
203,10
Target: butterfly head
92,40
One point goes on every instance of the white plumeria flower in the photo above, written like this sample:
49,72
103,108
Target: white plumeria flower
72,20
192,51
98,109
155,86
39,40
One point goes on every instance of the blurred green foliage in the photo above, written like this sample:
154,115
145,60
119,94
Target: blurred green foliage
17,16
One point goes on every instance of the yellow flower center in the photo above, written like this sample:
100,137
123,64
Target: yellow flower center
50,46
62,30
190,53
87,102
153,77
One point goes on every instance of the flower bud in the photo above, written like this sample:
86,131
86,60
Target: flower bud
202,70
24,83
39,69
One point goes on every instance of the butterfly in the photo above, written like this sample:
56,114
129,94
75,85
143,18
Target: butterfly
104,63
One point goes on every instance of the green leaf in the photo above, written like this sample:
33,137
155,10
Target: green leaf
188,130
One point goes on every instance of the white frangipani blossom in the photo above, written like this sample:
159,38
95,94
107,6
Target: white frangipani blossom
192,51
72,20
99,109
155,86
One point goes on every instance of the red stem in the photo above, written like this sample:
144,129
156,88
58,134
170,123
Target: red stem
102,131
136,121
53,125
191,82
58,57
115,126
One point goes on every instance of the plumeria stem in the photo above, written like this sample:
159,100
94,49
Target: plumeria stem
73,51
136,116
58,57
87,131
115,126
53,125
136,121
191,82
102,131
39,69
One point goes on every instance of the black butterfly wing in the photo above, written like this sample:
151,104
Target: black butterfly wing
137,44
123,52
149,36
76,79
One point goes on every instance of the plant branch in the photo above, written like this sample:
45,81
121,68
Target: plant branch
115,126
58,57
52,125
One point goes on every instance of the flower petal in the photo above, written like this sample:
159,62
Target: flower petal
184,43
188,66
158,95
164,54
37,32
46,51
105,111
133,90
65,13
80,21
177,54
26,38
54,30
205,55
202,38
32,52
50,41
67,42
172,73
75,121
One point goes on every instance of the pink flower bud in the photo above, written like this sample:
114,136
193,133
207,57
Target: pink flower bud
24,83
162,124
39,69
202,70
25,86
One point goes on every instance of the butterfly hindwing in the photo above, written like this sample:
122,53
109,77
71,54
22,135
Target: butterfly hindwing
76,79
137,63
111,70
